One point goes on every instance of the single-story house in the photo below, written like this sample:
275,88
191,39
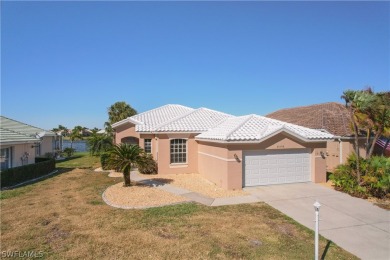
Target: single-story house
331,117
20,143
232,152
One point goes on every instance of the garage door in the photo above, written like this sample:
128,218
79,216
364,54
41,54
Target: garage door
276,167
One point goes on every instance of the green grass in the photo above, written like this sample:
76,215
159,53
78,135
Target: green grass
82,160
65,217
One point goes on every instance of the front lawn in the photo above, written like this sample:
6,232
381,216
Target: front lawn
65,217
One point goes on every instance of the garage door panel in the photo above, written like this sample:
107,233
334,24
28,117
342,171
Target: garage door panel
276,167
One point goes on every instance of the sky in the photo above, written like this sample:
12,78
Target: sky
67,62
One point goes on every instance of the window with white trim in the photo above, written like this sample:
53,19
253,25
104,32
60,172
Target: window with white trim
178,151
148,145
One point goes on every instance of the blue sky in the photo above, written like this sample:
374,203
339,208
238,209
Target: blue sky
66,62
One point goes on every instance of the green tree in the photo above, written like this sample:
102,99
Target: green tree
378,113
123,157
76,134
99,143
370,115
119,111
349,96
63,129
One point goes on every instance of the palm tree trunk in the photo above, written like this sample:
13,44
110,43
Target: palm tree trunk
356,139
376,137
126,177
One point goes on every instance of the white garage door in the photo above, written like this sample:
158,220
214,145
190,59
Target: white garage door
276,167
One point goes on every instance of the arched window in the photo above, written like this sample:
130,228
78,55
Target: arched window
130,140
178,151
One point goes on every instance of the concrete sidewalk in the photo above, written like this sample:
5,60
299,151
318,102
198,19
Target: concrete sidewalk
352,223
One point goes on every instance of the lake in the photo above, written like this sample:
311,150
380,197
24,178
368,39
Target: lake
79,145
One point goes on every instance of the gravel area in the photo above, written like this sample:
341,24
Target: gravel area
194,182
139,196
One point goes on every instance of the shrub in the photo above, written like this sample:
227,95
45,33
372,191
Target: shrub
41,159
13,176
49,155
69,151
146,164
375,180
104,161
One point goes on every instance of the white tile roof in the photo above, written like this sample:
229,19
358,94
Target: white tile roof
257,128
215,125
15,131
149,120
10,137
198,120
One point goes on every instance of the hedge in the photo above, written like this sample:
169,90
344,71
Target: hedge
41,159
13,176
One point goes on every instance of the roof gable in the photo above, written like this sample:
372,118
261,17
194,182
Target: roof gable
254,128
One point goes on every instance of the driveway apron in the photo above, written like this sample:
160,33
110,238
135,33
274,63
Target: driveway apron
356,225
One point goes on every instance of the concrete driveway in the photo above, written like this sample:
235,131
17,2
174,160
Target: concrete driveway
354,224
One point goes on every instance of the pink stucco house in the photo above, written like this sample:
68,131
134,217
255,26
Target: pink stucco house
232,152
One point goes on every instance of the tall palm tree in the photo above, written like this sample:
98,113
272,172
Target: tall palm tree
350,102
119,111
75,135
123,157
379,115
99,143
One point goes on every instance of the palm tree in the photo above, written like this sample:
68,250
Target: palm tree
350,97
123,157
63,130
119,111
75,134
99,143
379,115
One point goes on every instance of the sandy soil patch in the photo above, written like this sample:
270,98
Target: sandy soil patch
194,182
139,196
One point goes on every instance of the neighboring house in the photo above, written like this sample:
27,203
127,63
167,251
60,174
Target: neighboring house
233,152
332,117
20,143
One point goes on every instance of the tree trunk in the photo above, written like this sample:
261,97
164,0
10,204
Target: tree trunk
356,139
126,177
376,137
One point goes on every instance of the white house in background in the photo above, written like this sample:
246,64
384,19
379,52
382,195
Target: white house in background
20,143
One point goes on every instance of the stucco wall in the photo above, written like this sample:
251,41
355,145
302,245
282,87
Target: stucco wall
18,150
346,147
213,164
222,164
46,145
163,155
125,131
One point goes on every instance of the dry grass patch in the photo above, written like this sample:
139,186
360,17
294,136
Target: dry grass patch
140,196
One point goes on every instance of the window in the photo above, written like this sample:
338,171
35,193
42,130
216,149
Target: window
5,158
148,145
178,151
37,149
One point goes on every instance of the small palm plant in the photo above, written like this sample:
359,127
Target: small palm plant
123,157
